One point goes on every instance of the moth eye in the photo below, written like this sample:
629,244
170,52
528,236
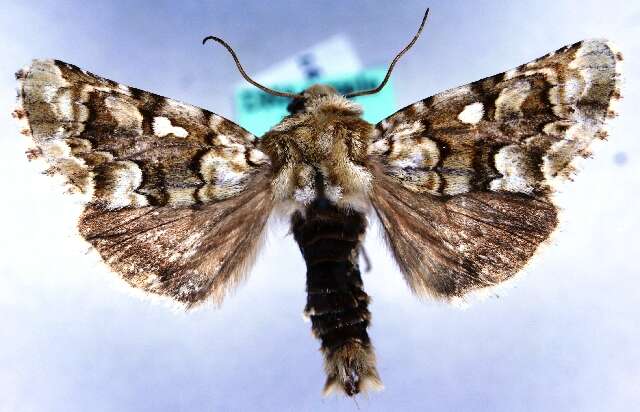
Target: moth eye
296,106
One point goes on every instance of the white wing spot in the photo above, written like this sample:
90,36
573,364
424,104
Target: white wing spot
510,100
49,92
472,113
517,176
126,114
162,127
65,106
124,177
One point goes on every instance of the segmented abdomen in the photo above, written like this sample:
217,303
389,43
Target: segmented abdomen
329,239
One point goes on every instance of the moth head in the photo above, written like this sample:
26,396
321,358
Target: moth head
310,97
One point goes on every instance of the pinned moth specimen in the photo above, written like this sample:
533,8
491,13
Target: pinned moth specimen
177,197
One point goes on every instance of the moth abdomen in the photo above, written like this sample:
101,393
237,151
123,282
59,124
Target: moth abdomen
330,238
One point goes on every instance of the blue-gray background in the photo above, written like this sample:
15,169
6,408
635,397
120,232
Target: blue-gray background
565,337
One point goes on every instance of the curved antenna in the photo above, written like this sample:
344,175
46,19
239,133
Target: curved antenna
244,74
393,63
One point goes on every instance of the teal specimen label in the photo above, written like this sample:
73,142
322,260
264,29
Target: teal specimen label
258,112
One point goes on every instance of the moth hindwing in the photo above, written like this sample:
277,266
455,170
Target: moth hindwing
177,198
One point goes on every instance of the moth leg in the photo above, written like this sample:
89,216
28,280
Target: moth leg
365,259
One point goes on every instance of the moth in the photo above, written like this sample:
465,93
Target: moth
177,197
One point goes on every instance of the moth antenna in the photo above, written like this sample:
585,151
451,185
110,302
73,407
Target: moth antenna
393,63
244,74
365,257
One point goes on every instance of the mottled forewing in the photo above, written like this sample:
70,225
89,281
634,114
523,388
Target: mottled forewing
121,146
167,185
463,179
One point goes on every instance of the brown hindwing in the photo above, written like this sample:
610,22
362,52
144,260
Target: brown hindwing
188,253
447,247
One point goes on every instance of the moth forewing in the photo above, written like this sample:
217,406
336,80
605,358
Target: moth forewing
177,197
464,180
